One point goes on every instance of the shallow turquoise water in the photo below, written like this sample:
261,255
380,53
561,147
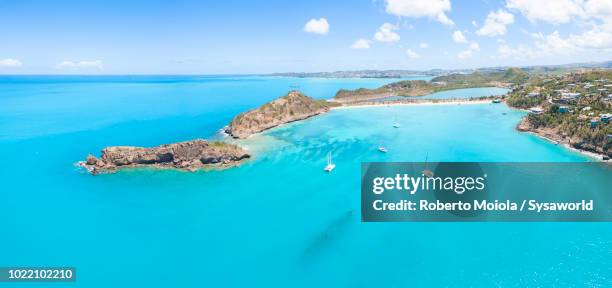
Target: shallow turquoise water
275,221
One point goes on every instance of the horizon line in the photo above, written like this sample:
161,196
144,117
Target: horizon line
577,64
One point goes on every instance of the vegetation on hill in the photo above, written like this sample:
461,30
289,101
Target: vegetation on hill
574,108
409,88
511,75
291,107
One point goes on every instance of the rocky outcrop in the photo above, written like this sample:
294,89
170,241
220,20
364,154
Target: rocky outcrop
291,107
188,155
524,125
553,134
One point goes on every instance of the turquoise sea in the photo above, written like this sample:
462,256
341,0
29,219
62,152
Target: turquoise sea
275,221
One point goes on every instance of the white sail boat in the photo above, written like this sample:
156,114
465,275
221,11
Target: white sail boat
395,123
382,149
427,173
330,165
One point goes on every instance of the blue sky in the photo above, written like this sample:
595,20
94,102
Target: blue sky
221,37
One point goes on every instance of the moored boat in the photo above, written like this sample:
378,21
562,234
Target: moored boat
330,165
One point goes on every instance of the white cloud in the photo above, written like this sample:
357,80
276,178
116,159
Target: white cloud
593,15
551,11
10,63
467,53
315,26
563,11
361,44
599,9
474,46
520,52
552,43
600,35
464,54
474,23
433,9
543,46
423,45
504,50
74,65
385,33
412,55
495,24
598,38
459,38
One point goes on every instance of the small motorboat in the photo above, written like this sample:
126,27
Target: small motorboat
382,149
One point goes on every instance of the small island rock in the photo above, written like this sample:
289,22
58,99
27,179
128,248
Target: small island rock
188,155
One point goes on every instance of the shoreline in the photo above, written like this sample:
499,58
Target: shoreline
558,140
595,156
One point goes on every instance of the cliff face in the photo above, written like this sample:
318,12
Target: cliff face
291,107
189,155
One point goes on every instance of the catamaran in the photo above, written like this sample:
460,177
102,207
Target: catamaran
330,165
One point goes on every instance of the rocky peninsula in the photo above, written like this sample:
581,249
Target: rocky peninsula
197,154
555,135
189,155
292,107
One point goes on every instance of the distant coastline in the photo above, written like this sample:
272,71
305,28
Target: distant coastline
399,73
